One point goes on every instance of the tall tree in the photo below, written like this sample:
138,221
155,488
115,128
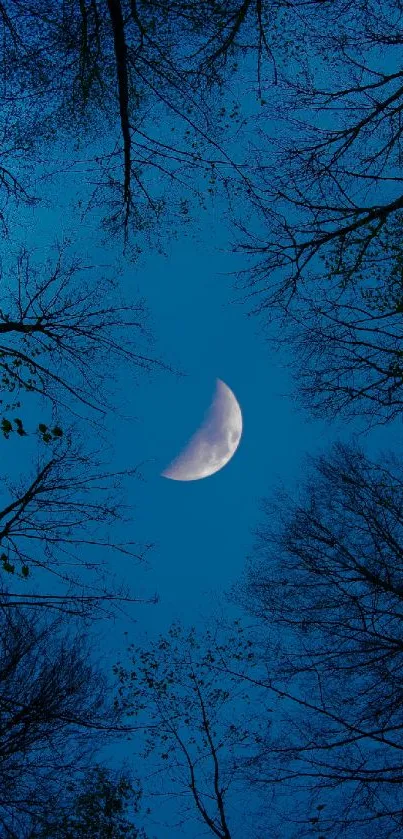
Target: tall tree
347,342
141,75
326,585
58,525
63,330
97,809
334,180
325,241
56,714
197,726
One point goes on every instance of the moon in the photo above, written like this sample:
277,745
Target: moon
215,442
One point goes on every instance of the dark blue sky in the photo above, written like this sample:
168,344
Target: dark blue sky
202,530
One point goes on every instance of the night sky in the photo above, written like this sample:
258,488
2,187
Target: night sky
200,330
199,532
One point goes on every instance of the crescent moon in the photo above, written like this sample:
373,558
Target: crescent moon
214,443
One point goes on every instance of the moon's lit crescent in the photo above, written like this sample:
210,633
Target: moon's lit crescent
214,443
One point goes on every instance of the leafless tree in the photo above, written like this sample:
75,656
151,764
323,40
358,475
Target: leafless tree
334,181
62,524
197,725
62,332
326,584
16,167
325,238
346,339
122,70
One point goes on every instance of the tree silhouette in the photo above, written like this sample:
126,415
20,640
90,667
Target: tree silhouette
58,525
197,727
326,584
61,334
333,183
325,239
122,70
55,716
96,809
346,342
